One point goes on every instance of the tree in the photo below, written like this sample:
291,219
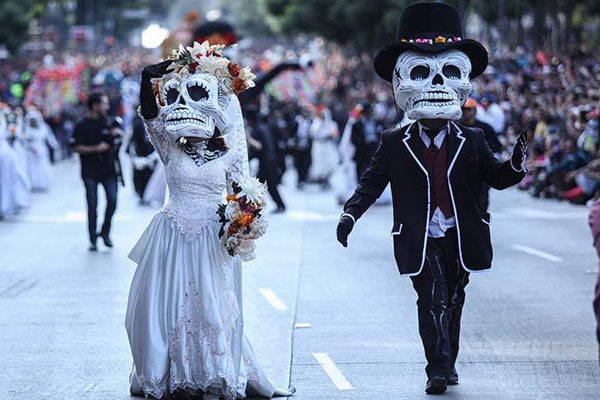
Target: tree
364,23
14,21
371,23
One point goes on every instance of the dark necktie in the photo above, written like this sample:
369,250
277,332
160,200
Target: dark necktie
431,134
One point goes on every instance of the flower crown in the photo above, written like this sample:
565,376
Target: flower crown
209,58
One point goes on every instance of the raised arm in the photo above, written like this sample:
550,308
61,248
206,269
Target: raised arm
501,175
236,139
150,113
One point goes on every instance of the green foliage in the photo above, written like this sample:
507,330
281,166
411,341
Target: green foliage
362,22
365,23
14,21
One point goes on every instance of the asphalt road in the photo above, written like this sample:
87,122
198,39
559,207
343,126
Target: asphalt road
340,323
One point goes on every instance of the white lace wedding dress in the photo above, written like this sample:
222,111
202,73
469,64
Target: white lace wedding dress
184,314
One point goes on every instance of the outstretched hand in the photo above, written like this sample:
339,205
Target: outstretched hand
147,100
519,153
344,228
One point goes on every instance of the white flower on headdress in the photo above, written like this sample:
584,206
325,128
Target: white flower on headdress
247,76
198,48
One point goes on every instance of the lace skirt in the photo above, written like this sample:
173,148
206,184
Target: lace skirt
184,316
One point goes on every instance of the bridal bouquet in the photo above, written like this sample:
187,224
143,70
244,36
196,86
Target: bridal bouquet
241,217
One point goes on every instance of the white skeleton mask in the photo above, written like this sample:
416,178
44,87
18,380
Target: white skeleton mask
192,105
432,86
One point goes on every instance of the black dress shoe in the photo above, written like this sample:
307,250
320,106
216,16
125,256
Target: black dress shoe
106,240
453,377
436,385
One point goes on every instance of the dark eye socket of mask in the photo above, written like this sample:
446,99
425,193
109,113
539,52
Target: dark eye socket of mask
197,92
172,95
419,72
451,71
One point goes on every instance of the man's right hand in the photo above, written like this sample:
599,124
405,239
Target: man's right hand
344,228
147,100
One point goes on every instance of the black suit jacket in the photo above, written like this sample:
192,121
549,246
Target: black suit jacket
470,164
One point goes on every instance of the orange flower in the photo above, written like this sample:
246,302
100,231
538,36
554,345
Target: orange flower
234,69
238,85
232,229
231,197
245,220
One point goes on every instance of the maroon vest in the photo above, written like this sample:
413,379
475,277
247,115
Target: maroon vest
435,161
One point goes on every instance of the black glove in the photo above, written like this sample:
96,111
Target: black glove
519,151
147,99
344,228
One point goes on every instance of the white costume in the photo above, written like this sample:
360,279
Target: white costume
324,152
23,183
184,314
8,174
39,136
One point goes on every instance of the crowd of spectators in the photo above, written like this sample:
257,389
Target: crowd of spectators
554,97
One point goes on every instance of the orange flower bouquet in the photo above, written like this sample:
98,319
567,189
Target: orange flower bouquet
241,218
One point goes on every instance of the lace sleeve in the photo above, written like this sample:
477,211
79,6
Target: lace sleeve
155,128
238,169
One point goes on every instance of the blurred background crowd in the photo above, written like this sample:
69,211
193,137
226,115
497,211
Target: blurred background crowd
322,113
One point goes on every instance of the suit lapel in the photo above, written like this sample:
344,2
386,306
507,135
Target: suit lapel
455,144
413,143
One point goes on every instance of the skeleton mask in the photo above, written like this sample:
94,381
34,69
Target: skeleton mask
432,85
188,105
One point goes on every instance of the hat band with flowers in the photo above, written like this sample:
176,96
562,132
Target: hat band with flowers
209,59
437,39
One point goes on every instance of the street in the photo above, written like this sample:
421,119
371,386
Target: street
335,323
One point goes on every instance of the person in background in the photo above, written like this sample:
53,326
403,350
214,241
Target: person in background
301,146
265,151
143,157
93,140
469,113
366,134
469,118
324,132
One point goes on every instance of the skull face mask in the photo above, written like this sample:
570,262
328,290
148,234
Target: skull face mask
432,85
190,105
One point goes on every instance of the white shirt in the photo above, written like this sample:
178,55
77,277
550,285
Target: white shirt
439,224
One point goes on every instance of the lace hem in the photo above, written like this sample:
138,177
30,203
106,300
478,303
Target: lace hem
159,390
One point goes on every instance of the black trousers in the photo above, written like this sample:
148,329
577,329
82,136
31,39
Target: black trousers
110,186
440,289
268,175
140,180
302,163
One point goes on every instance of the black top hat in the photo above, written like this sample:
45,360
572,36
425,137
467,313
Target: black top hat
430,28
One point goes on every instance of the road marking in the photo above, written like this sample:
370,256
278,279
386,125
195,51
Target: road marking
300,325
541,214
303,215
538,253
336,376
273,299
72,217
